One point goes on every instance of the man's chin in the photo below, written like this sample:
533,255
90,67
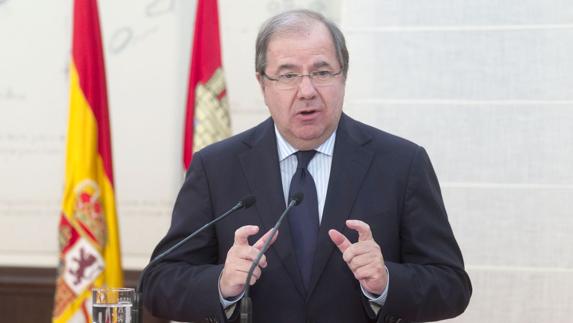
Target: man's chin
310,137
309,133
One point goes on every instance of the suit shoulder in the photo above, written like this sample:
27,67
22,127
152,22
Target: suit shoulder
385,141
234,144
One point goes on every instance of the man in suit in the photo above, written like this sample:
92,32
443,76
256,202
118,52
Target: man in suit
370,241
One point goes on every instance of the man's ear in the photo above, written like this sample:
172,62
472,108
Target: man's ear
261,81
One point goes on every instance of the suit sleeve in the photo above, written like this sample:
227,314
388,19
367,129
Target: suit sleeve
183,286
429,283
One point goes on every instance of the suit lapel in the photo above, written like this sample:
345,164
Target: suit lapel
261,167
349,167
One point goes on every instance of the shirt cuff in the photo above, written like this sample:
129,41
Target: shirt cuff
377,299
226,303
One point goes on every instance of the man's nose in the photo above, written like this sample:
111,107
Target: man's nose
306,89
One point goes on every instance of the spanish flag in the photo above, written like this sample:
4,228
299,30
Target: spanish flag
207,116
88,230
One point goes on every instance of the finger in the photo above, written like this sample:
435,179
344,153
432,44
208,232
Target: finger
365,247
241,269
241,265
253,280
263,262
243,233
359,261
369,249
262,240
252,256
362,228
365,272
349,254
256,275
242,277
373,279
339,240
248,253
234,276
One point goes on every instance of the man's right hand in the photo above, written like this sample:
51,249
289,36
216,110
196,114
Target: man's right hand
239,260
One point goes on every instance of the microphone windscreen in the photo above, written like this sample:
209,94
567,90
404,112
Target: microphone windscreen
248,201
297,198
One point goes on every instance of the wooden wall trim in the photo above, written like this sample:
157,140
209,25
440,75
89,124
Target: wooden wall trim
27,294
24,276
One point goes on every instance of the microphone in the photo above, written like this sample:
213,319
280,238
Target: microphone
246,303
137,311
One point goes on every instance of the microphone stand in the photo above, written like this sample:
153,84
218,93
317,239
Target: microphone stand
246,303
137,311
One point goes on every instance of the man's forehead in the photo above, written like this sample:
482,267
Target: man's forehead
297,27
293,50
300,32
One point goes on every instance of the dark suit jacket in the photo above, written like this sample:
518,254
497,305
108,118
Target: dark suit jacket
376,177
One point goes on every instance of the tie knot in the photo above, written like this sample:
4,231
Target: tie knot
304,157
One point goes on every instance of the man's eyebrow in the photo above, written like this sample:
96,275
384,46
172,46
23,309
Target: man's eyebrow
321,64
289,66
286,67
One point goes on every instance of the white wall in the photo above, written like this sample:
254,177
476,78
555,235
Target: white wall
486,86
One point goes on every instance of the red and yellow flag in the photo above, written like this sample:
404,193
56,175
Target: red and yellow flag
207,119
88,230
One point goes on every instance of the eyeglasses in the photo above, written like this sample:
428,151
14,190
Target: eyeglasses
290,81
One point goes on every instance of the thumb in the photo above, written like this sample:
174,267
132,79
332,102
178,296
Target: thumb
243,233
363,229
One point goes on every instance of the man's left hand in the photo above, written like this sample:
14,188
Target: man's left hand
364,258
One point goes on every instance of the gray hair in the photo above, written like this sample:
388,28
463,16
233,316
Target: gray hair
297,20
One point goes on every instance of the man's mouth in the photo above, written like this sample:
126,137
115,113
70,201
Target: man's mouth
307,112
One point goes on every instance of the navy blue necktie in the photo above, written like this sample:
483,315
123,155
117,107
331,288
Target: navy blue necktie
303,219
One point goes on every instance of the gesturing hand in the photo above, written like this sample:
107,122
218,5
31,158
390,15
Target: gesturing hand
239,260
364,258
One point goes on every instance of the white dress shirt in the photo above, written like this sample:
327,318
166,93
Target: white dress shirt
319,167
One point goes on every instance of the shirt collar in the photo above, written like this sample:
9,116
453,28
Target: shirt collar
285,149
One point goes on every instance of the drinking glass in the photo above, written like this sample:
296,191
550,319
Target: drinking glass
112,305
